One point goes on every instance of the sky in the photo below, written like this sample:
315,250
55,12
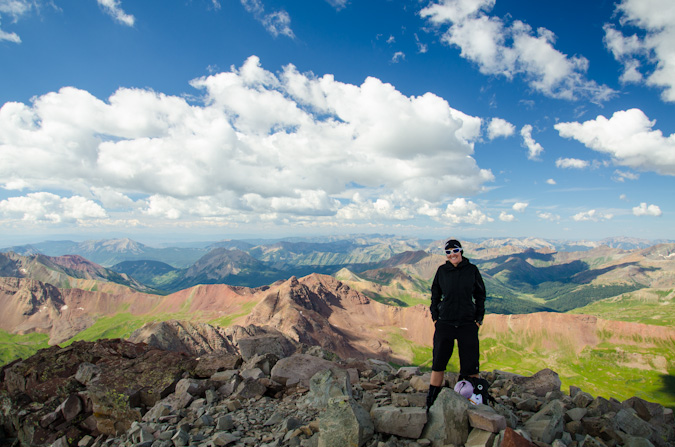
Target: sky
220,119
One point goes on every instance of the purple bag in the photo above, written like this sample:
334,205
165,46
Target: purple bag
464,388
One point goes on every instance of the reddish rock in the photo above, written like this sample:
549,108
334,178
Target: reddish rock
513,439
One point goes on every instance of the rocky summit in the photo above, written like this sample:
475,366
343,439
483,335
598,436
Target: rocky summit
118,393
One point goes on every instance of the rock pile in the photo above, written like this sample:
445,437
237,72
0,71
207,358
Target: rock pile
116,393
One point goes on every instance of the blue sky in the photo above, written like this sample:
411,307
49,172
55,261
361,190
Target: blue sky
215,119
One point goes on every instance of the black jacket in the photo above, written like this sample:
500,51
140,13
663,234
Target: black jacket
458,294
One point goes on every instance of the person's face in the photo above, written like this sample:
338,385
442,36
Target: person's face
454,255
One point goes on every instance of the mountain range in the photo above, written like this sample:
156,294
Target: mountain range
374,304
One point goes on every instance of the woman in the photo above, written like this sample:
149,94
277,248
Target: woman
457,309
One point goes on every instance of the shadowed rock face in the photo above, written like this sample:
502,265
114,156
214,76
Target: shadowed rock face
128,378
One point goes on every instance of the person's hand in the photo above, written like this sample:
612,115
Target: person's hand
478,324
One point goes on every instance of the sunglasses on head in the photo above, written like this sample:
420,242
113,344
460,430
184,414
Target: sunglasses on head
453,250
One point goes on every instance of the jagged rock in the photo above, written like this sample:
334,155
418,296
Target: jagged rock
582,399
273,343
448,421
87,372
633,441
575,414
547,424
601,406
194,387
250,388
211,363
298,369
629,422
513,439
328,384
420,383
406,372
71,407
648,411
263,362
344,423
486,418
540,383
406,422
409,399
480,438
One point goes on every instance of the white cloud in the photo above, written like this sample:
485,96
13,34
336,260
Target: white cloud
548,216
520,206
622,176
398,57
276,23
647,210
464,211
629,138
551,181
511,49
534,149
47,207
338,4
16,9
113,9
499,127
592,215
290,145
506,217
571,163
651,54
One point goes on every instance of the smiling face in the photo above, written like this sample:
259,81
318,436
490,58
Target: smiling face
454,256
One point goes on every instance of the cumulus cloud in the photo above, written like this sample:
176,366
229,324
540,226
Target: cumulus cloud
276,23
592,215
506,217
571,163
628,137
534,149
113,9
281,145
464,211
551,181
520,207
650,56
47,207
499,127
502,48
338,4
647,210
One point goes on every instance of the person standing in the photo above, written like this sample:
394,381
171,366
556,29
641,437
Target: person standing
457,310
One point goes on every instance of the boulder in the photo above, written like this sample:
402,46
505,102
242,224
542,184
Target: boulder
344,423
406,422
480,438
328,384
298,369
540,383
548,423
448,420
486,418
272,343
511,438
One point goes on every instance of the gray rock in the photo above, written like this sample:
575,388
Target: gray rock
409,399
87,372
480,438
273,343
327,384
582,399
406,422
632,441
344,423
547,424
448,421
575,414
486,418
629,422
250,388
406,372
420,383
298,369
540,383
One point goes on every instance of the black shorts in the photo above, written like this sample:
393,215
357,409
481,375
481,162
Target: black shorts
467,342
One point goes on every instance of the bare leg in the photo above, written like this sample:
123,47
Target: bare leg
437,378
